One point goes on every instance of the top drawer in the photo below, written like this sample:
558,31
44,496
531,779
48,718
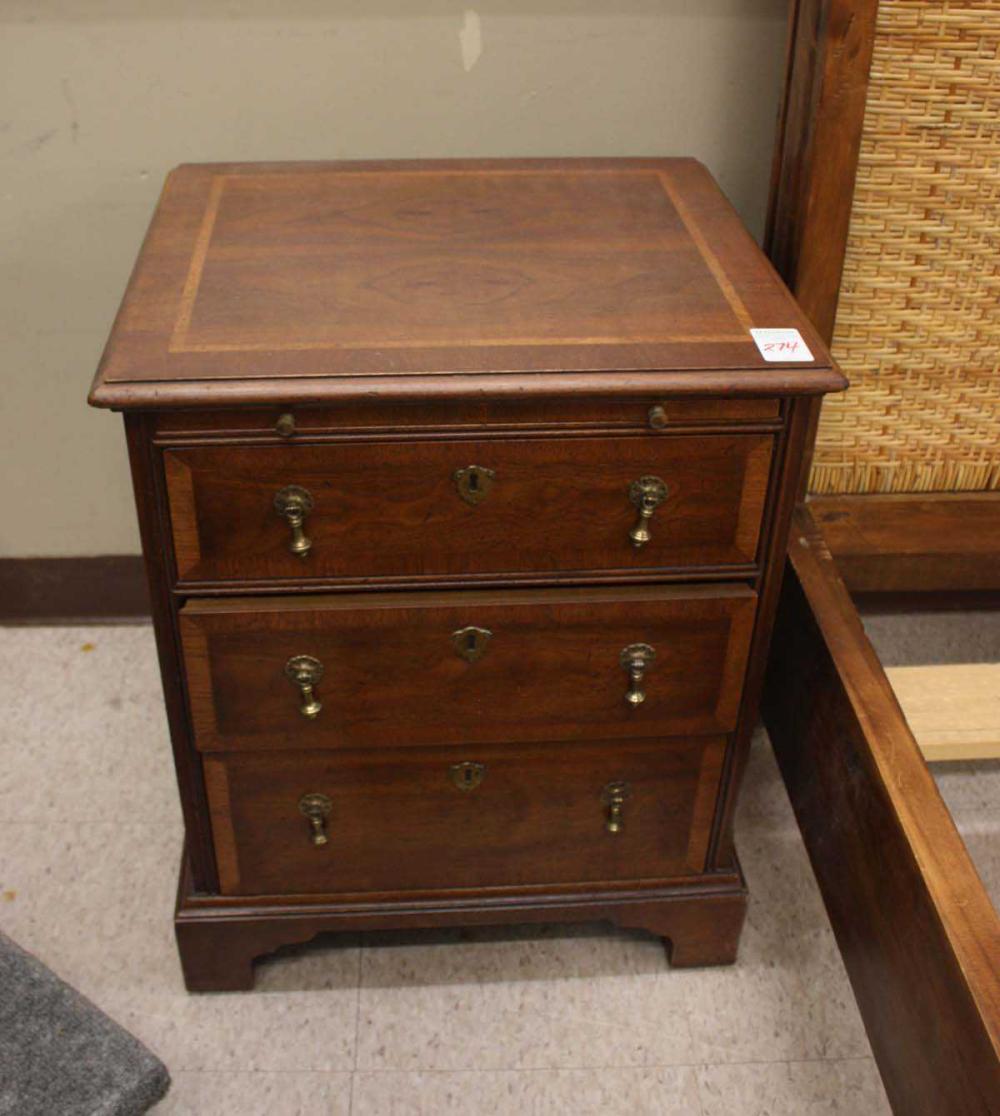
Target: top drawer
442,509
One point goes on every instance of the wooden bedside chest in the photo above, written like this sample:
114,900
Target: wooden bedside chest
464,492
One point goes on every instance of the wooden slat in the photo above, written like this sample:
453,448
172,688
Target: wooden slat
953,709
913,543
918,934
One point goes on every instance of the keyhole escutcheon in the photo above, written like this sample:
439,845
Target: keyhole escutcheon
471,642
474,483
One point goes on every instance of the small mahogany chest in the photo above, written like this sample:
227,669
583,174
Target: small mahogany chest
464,491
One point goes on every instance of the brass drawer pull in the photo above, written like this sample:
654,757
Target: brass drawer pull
304,671
285,426
646,493
637,658
294,504
316,807
613,796
658,418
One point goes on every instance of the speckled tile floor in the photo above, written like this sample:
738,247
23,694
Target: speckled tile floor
556,1020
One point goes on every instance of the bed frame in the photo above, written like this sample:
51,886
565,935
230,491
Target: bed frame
918,934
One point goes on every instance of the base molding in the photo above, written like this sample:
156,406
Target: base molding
107,589
219,938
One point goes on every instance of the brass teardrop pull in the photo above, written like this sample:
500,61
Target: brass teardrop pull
294,503
637,658
316,807
646,493
613,796
304,671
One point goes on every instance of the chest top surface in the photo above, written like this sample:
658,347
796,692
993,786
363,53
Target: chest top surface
312,281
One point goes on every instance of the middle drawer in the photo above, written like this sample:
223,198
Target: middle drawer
465,667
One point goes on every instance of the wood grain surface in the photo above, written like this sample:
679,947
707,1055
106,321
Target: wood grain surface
392,509
486,417
219,937
393,677
365,331
292,277
919,936
913,543
398,822
953,709
816,154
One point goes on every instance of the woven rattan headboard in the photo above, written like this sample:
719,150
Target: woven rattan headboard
918,321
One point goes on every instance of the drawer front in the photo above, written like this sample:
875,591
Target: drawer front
446,818
437,668
465,508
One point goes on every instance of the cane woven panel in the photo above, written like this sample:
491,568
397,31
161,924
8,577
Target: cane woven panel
918,324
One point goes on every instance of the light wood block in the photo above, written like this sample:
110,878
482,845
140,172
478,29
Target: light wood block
953,710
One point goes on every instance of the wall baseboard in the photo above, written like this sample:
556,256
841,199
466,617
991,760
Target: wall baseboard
107,590
112,590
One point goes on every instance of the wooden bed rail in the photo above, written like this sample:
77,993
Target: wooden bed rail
918,934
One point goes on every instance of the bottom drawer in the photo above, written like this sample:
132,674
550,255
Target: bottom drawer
440,818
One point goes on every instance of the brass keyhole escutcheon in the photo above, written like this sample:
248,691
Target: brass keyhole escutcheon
646,493
304,671
613,796
467,775
637,658
293,503
316,807
471,642
474,483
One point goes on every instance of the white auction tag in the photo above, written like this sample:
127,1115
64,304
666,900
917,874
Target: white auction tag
781,344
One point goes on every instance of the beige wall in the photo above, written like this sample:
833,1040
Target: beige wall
96,107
